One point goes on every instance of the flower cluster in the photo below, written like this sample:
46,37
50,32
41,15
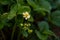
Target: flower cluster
26,27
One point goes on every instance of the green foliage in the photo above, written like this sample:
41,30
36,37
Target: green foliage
55,17
43,25
24,14
25,34
22,9
4,2
12,12
41,36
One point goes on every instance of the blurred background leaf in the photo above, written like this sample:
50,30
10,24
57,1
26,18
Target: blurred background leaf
55,18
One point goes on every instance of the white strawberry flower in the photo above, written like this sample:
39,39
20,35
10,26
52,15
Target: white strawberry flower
26,15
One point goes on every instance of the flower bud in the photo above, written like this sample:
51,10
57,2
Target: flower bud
30,31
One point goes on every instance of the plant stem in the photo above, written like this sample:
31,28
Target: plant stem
14,28
13,32
18,36
3,35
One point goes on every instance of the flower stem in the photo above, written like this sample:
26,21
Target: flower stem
18,36
13,32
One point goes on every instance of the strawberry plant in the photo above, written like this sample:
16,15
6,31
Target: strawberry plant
29,19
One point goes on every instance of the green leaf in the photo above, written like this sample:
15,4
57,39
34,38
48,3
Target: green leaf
48,32
22,9
3,20
1,25
43,6
55,18
39,9
12,12
21,2
32,3
5,2
41,36
38,34
4,17
43,25
25,34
